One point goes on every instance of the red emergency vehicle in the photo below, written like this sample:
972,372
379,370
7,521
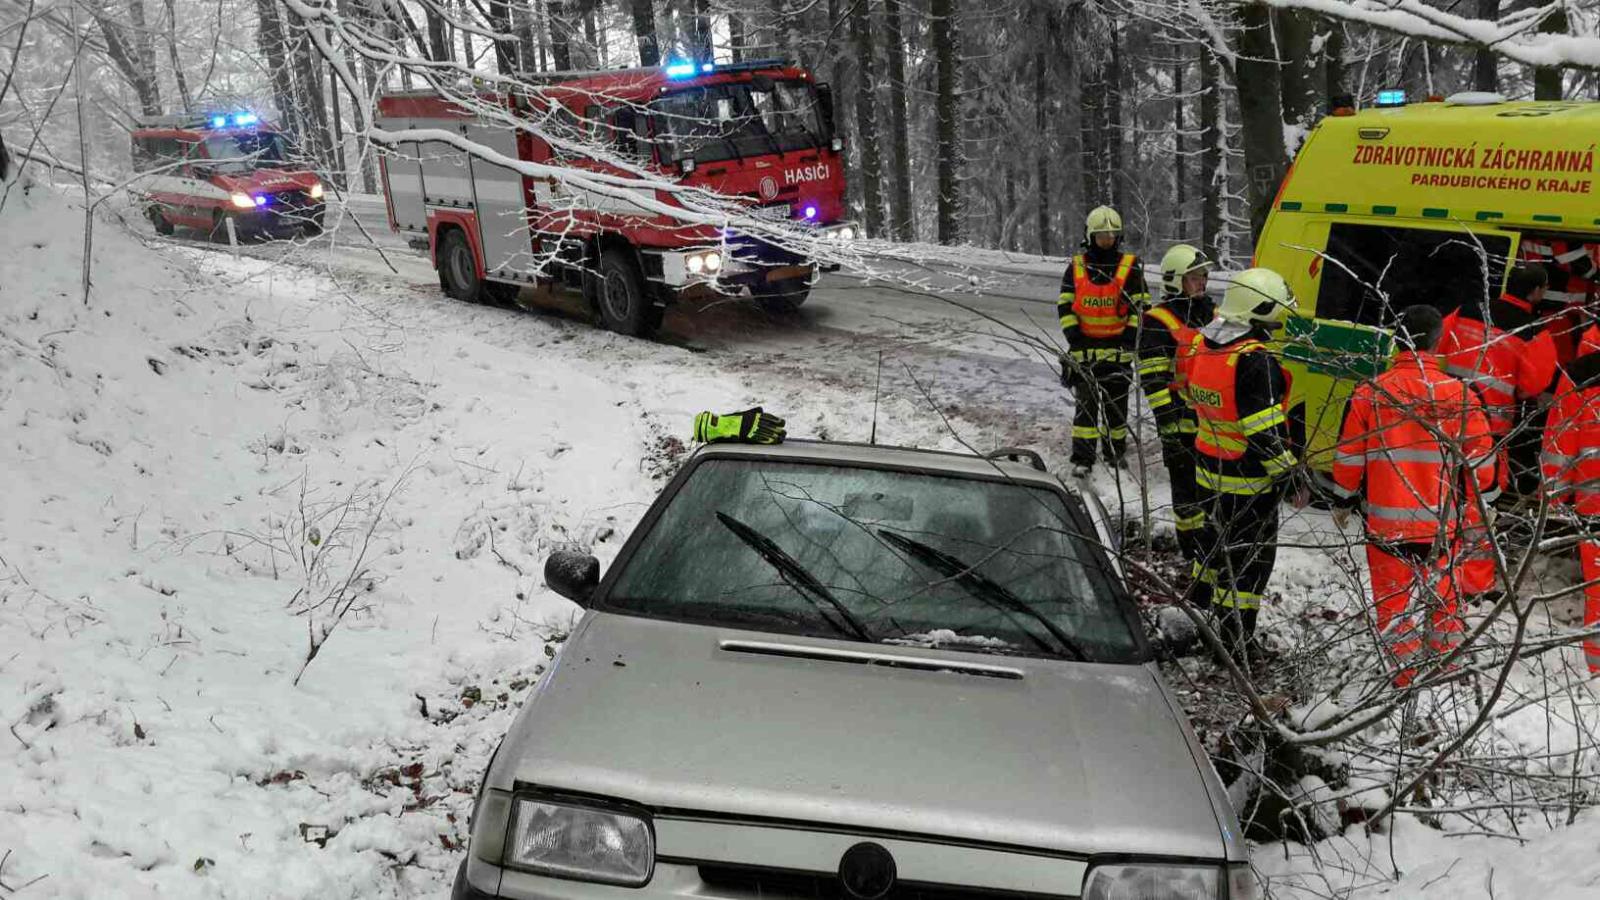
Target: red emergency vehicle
759,131
203,170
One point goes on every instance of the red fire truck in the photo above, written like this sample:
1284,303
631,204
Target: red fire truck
207,169
760,132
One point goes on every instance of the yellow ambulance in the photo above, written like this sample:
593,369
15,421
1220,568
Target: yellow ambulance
1417,203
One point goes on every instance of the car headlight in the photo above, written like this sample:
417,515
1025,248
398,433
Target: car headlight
579,842
696,264
713,262
316,191
1167,882
244,201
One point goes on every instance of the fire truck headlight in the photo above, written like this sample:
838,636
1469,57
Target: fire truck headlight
316,191
713,262
244,201
696,264
844,233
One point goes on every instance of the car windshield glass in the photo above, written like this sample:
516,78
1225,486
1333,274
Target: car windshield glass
725,121
246,150
884,555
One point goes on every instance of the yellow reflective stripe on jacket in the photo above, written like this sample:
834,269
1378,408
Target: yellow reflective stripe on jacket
1221,435
1070,320
1159,398
1257,422
1155,365
1102,354
1233,599
1165,317
1232,484
1279,464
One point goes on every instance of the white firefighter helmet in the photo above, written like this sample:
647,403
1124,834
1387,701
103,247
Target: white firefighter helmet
1181,260
1257,296
1102,218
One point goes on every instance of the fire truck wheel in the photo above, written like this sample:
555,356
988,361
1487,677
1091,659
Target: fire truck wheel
458,271
783,296
162,225
625,307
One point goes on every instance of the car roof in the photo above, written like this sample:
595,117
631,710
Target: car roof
941,462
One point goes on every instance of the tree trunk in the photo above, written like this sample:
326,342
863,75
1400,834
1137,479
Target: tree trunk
644,32
591,40
316,137
560,34
1041,147
1299,90
341,175
126,56
867,116
438,38
1261,111
902,217
702,49
738,35
468,52
270,38
139,35
946,36
177,67
1548,82
1116,178
783,32
1485,68
1211,139
1333,61
505,51
1180,160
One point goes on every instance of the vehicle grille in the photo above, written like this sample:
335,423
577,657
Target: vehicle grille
782,883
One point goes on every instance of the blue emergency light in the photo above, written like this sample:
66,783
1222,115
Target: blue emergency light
680,70
219,121
1396,97
246,119
235,120
707,67
811,212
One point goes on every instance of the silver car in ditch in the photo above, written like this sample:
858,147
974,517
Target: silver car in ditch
826,671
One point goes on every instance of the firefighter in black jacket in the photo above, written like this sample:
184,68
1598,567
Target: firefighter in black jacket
1100,292
1163,330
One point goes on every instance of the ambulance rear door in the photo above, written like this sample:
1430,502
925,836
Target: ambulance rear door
1354,275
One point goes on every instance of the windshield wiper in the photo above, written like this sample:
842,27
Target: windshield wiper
796,576
984,588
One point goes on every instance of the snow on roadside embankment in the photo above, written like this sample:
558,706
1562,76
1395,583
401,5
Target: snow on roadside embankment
215,462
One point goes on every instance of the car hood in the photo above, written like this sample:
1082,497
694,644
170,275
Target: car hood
268,181
1071,757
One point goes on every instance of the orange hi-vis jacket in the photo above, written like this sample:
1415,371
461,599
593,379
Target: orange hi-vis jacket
1102,309
1505,361
1571,459
1417,443
1242,435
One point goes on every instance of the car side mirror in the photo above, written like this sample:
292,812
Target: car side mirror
825,99
573,575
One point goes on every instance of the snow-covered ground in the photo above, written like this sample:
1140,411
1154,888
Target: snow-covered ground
217,463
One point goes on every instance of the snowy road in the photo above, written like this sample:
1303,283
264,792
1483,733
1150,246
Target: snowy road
970,337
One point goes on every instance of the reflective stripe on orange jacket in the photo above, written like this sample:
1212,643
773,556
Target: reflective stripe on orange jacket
1571,458
1417,444
1102,309
1241,442
1503,365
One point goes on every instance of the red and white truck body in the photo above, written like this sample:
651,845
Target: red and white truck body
757,133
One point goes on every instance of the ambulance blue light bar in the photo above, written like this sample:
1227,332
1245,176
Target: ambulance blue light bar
1394,97
680,70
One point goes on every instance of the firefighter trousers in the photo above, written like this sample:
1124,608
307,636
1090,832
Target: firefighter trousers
1414,597
1238,548
1178,456
1100,390
1589,555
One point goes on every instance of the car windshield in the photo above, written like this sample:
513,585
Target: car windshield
246,150
727,121
879,555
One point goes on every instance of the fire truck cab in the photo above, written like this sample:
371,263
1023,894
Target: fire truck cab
202,171
759,133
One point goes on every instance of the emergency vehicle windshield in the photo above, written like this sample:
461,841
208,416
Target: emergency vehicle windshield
246,150
729,121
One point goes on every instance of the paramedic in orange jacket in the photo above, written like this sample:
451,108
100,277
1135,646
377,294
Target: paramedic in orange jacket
1502,351
1571,468
1416,449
